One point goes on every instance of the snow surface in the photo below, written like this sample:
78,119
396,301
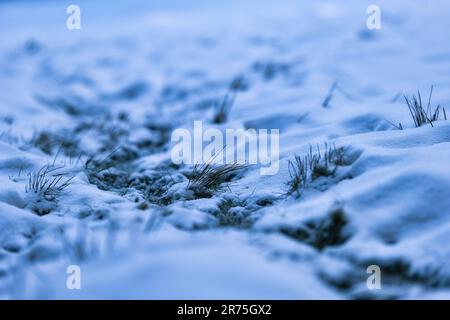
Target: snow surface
139,69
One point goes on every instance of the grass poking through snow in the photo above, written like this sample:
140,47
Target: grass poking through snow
207,177
315,164
44,188
223,108
420,113
47,183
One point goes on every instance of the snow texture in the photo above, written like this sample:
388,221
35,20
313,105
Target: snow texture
86,176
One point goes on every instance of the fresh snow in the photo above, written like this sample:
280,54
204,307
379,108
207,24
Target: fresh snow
135,72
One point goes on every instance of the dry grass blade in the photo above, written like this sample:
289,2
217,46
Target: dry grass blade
327,100
46,183
422,115
94,165
208,176
223,108
304,169
298,172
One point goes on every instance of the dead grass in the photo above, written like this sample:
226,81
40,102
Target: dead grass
46,183
223,108
315,164
207,177
420,114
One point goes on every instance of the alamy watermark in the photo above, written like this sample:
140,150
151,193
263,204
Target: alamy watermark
374,280
73,281
229,146
73,21
374,20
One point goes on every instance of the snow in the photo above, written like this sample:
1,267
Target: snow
177,258
99,104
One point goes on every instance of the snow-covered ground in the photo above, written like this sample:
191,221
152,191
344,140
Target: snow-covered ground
98,106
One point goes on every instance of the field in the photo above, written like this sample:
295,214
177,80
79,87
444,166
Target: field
87,177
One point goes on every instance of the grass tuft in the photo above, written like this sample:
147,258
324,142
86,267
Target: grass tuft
420,114
46,183
223,108
44,188
207,177
315,164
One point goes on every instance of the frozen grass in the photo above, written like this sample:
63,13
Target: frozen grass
121,100
94,164
46,183
223,108
44,187
331,92
304,169
327,100
207,177
420,114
